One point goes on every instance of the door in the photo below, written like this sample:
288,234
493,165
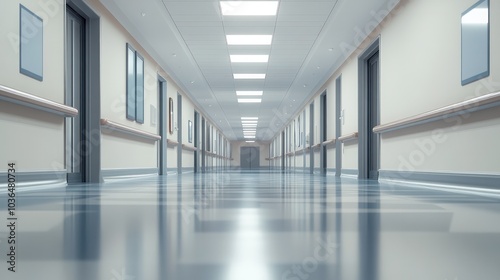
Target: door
179,133
373,116
196,140
249,158
323,133
75,95
339,121
311,138
162,116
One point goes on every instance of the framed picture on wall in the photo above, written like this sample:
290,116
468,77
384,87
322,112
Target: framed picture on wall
131,80
170,115
31,44
190,131
476,42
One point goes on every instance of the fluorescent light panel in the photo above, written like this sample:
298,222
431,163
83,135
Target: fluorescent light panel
247,40
249,58
249,118
249,93
250,141
249,121
249,100
250,137
249,8
249,76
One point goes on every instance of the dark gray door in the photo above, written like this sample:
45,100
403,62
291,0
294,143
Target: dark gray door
196,140
339,119
323,133
373,140
311,138
179,133
249,158
75,94
162,114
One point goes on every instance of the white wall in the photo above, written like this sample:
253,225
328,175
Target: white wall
429,79
34,139
420,71
140,154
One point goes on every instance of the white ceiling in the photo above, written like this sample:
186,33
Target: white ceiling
187,38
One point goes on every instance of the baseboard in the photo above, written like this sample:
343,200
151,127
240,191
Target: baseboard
490,181
331,171
127,173
186,170
351,173
34,180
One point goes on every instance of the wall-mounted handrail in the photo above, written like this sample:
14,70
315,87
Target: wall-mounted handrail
474,104
35,102
189,148
172,142
329,142
349,137
113,126
317,146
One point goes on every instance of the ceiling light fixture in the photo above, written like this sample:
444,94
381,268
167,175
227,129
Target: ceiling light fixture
249,100
249,40
249,121
250,141
249,8
249,93
250,137
249,76
249,118
249,58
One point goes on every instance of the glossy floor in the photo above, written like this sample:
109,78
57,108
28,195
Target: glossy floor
262,226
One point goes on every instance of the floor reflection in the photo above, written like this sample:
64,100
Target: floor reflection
275,226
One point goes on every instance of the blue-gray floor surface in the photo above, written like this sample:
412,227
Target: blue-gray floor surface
251,226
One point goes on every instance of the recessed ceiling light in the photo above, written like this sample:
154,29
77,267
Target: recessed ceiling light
249,125
249,39
249,76
249,100
249,8
250,137
249,93
250,141
249,121
249,118
249,58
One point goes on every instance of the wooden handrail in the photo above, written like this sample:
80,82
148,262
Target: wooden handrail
35,102
172,142
349,137
113,126
474,104
189,148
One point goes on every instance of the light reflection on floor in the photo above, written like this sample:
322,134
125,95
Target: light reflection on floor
264,226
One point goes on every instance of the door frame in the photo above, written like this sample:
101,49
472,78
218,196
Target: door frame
363,111
162,115
91,102
339,119
311,138
179,133
196,139
323,124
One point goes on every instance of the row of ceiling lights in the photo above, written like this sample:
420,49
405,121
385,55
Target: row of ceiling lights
249,8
